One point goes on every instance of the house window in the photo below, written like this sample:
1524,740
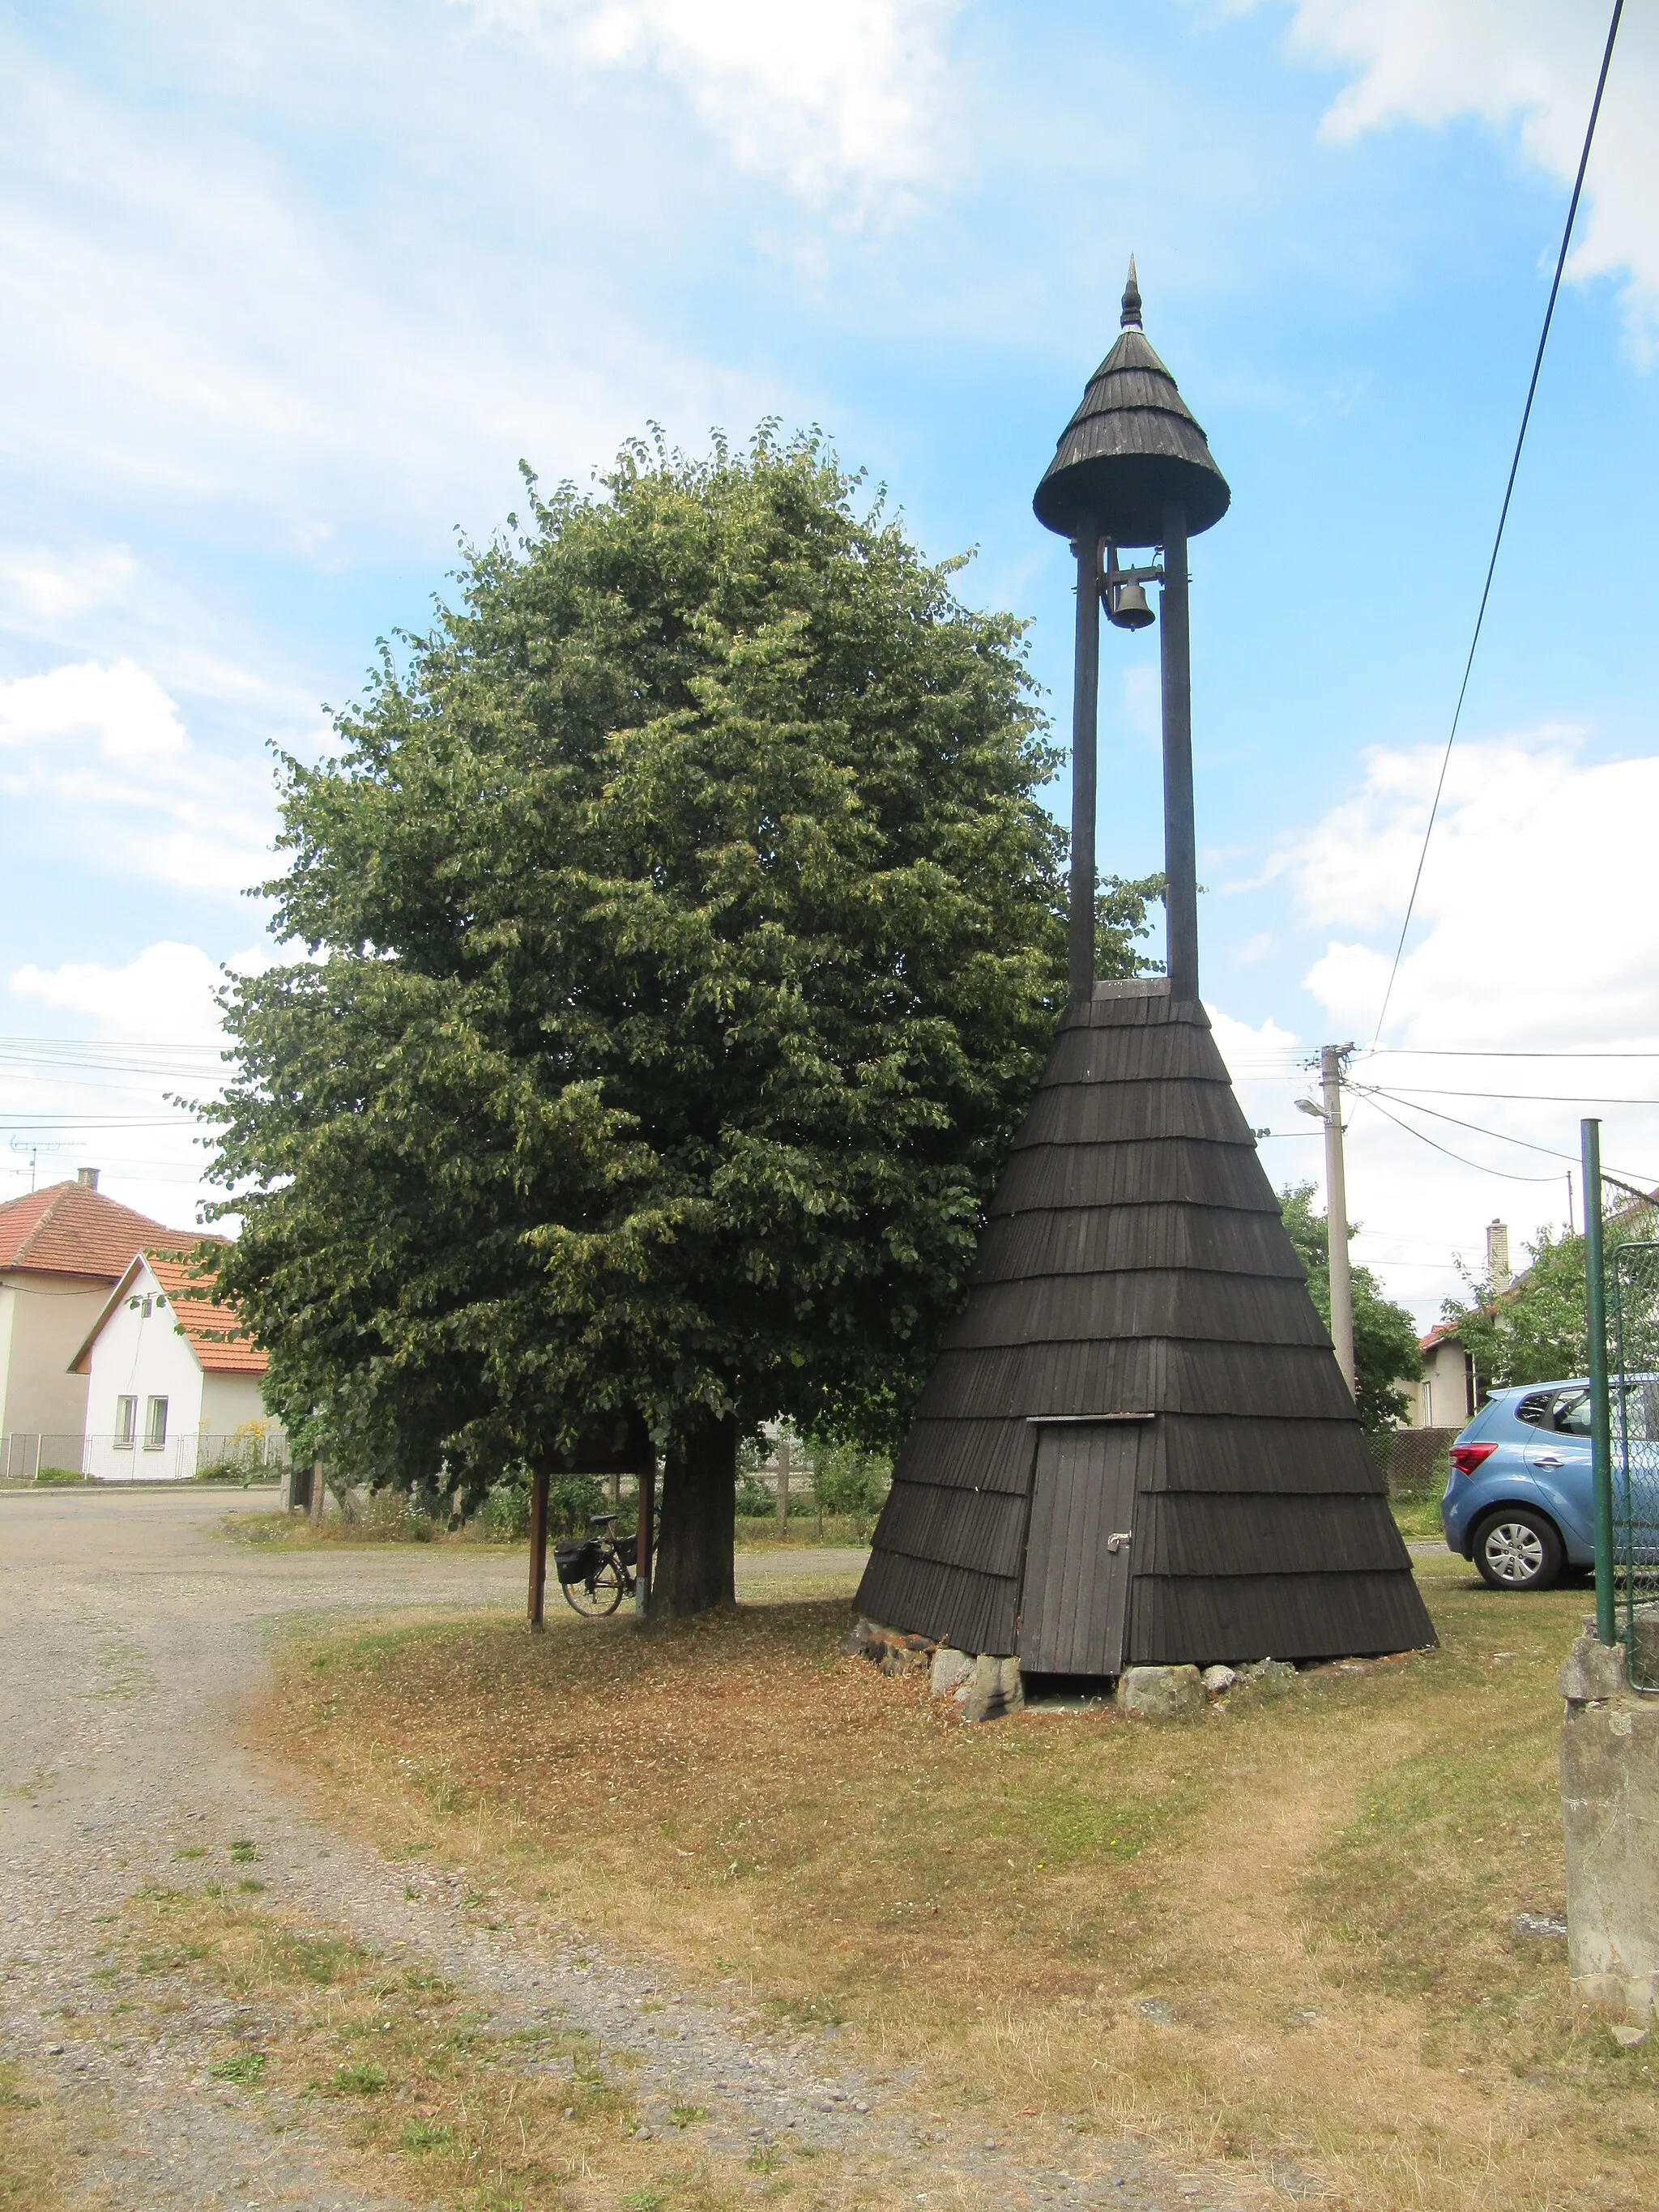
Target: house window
1428,1403
126,1423
156,1424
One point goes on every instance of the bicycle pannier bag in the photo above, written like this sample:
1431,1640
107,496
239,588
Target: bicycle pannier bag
574,1562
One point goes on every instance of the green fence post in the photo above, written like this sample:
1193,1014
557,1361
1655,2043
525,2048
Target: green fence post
1600,1416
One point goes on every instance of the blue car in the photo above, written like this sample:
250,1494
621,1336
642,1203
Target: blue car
1517,1498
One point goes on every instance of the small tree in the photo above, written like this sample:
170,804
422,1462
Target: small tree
1386,1351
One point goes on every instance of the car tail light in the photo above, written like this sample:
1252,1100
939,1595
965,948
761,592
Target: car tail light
1465,1458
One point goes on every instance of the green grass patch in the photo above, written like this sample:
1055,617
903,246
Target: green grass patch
244,2066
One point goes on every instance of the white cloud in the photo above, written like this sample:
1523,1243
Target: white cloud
197,311
38,587
1529,63
1515,943
144,1033
164,996
1535,933
101,755
833,96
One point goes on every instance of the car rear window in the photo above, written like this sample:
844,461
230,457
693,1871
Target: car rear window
1534,1408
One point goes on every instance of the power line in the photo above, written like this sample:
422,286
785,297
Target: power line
1498,1136
1525,1098
1474,1052
1509,492
1479,1166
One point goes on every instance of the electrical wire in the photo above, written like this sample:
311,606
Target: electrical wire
1498,1136
1509,493
1411,1107
1475,1052
1479,1166
1522,1098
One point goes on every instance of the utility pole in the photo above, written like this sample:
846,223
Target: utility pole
1336,1209
1331,1058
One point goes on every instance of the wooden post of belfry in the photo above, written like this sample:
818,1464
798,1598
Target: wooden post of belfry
783,1458
1180,848
1086,718
538,1547
647,1518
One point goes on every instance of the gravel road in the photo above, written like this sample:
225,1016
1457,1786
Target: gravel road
131,1640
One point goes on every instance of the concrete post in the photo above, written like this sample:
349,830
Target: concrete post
1610,1824
1336,1212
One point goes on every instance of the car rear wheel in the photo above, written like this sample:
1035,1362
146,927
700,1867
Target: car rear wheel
1519,1550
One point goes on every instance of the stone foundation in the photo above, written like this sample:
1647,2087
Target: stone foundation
984,1687
987,1687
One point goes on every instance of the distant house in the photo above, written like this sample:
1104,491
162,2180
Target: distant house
175,1379
61,1251
1445,1395
1448,1391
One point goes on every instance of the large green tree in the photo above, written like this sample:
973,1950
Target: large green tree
1385,1343
680,937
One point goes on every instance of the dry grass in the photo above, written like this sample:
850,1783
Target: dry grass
412,2092
1277,1938
31,2145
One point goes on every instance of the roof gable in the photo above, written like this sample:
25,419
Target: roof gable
214,1333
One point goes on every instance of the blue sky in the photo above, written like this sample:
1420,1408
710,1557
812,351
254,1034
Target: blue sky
285,295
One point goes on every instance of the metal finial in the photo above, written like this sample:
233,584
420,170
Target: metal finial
1131,300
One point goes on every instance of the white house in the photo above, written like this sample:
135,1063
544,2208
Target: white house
61,1251
173,1378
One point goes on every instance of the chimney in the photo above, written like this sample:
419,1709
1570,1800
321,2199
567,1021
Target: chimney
1498,1257
86,1177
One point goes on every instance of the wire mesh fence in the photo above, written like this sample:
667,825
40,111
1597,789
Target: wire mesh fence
1632,1286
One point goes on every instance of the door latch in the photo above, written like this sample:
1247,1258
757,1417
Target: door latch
1120,1542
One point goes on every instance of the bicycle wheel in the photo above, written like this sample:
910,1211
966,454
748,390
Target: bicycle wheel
599,1594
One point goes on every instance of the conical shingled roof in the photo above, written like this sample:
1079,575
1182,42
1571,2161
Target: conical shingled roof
1135,1268
1132,446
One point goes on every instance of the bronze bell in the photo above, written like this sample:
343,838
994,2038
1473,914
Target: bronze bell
1125,605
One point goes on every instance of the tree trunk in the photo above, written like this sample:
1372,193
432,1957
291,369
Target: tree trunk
698,1514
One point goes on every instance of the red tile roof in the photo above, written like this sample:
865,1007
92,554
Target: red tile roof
213,1331
68,1228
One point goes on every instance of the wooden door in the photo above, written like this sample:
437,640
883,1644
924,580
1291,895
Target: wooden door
1074,1604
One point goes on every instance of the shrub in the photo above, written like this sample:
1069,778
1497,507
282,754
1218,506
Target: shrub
754,1498
571,1499
848,1481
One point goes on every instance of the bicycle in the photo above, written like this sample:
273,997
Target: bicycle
597,1572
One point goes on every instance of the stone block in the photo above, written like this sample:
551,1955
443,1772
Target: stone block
1217,1681
1610,1820
896,1654
857,1639
1159,1693
1592,1672
1271,1676
994,1688
952,1668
